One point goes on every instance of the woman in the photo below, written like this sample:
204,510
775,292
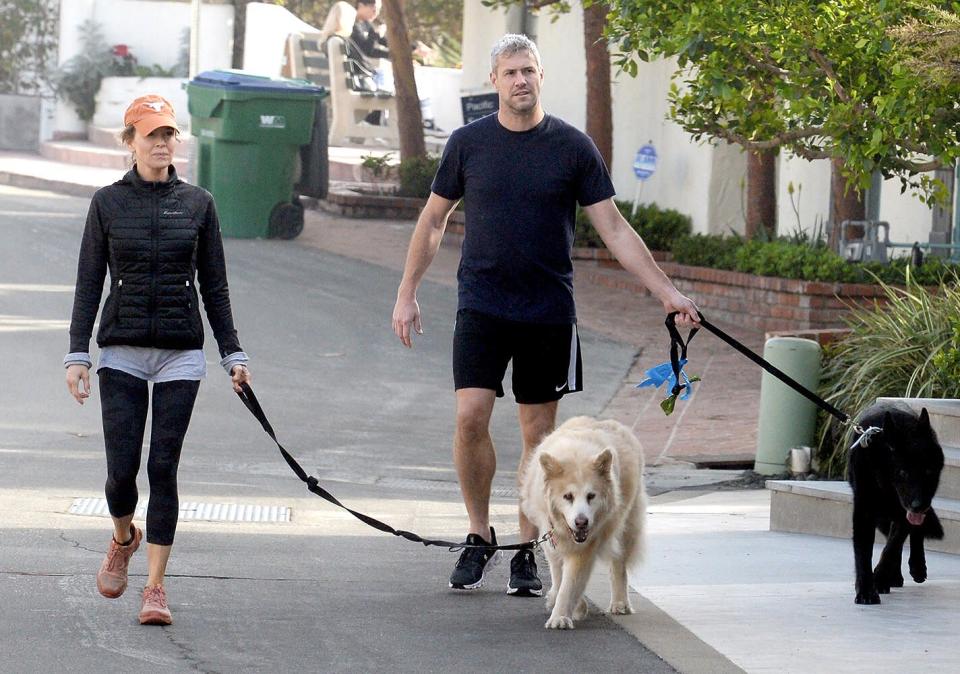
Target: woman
157,235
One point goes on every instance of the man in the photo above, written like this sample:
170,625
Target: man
521,173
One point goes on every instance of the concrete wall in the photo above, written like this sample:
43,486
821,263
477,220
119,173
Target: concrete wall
152,29
910,219
20,122
267,28
704,181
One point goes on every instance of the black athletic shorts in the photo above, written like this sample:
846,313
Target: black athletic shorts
546,358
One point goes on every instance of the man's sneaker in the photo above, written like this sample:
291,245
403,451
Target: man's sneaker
524,581
474,562
112,576
154,609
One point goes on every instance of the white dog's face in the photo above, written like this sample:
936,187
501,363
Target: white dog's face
578,495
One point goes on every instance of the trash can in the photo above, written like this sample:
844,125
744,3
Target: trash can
787,419
249,133
314,178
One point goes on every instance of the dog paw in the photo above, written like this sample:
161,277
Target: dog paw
869,597
580,612
561,622
918,573
620,608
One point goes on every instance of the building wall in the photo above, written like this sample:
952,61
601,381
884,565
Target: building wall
152,29
707,182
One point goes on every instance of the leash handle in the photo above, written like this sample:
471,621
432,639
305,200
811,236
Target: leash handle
766,365
250,401
678,349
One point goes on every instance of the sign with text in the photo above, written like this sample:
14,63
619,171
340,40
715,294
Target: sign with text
645,163
478,105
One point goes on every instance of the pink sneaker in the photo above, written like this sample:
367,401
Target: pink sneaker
112,576
154,609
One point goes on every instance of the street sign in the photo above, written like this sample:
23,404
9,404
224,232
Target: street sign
478,105
645,163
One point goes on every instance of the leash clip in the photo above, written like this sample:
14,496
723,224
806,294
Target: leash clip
866,436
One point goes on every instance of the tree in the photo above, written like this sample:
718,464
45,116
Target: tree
409,118
820,79
599,104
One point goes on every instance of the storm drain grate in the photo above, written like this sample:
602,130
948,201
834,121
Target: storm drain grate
191,510
438,485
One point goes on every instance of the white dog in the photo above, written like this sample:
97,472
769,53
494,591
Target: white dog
584,483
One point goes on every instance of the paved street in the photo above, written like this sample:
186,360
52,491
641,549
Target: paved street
321,593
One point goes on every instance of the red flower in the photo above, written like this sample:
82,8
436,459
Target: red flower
121,50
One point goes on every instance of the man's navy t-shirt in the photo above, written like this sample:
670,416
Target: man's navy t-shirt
520,191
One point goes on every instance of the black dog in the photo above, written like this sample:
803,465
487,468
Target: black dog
894,475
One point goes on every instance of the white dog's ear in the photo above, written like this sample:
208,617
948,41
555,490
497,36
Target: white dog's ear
550,465
602,463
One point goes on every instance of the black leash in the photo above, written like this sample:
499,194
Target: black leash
252,404
678,349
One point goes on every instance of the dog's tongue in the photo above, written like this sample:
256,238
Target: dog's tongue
916,519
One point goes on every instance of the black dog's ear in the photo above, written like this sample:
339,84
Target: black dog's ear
923,423
887,422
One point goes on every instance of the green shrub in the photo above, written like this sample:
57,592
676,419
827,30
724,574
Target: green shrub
907,347
658,227
416,175
707,250
810,262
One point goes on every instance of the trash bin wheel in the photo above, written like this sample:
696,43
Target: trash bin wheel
286,221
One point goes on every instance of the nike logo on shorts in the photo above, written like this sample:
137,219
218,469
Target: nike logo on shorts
561,387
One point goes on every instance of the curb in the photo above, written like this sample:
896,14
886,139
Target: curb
38,183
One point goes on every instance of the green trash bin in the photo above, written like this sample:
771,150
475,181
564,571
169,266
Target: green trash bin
249,132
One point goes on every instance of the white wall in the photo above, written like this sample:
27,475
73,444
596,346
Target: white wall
910,219
707,182
152,30
267,28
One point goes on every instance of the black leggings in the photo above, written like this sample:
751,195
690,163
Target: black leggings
124,400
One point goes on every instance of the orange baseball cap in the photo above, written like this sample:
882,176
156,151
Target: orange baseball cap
150,112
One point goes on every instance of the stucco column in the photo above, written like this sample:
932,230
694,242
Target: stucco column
73,13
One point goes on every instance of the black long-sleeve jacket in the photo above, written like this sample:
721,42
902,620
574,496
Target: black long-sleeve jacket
158,240
370,42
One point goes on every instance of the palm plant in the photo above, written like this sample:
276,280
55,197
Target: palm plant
907,345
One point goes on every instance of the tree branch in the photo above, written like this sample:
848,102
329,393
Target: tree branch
825,66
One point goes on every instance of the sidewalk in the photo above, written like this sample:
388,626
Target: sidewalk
718,591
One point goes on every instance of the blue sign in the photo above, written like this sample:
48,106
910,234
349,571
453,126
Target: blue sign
645,162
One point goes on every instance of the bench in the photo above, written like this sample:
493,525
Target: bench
328,66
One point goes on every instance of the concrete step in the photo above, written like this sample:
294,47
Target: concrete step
950,477
826,509
944,416
110,138
85,153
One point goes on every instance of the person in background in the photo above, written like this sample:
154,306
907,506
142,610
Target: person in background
372,43
160,239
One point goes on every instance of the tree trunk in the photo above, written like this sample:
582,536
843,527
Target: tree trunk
847,200
239,29
599,106
409,120
761,193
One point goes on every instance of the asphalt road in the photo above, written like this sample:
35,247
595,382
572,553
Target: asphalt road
319,593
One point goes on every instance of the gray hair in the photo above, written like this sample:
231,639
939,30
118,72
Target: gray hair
511,44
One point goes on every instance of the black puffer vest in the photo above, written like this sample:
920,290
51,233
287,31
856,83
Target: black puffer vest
158,240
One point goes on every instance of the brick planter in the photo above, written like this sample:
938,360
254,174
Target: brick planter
769,303
762,302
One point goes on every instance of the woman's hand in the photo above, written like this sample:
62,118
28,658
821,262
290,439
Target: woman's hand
239,375
77,375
